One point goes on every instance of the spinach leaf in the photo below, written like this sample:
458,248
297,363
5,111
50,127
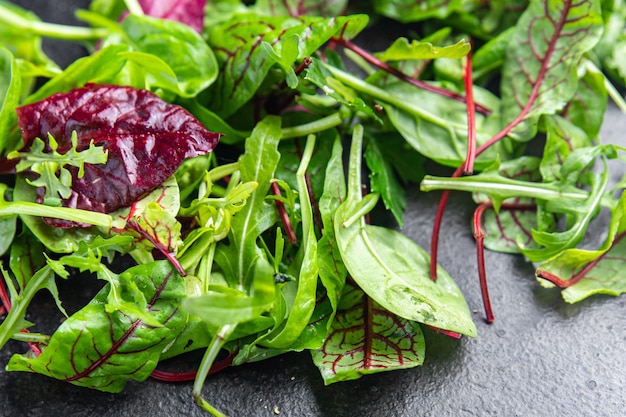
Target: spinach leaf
390,267
180,60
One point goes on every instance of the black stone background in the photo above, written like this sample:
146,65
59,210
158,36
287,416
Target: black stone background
541,357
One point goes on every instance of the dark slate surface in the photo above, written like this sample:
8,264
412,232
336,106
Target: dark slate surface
541,357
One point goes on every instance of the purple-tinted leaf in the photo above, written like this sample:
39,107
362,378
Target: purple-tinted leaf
102,348
152,221
367,339
539,72
295,8
189,12
146,140
244,63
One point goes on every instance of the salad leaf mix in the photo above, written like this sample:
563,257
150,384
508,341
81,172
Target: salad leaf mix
230,154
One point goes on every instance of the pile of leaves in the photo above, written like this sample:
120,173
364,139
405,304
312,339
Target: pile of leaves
262,244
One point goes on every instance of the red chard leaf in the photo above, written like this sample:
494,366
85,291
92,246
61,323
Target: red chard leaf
244,63
539,71
189,12
102,347
366,339
146,140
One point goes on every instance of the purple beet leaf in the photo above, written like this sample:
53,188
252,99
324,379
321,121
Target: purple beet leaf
146,140
189,12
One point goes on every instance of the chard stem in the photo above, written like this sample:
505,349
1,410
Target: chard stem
479,236
577,277
369,58
284,216
468,168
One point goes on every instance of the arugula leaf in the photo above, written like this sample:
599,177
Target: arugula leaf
383,181
303,296
258,164
10,89
54,176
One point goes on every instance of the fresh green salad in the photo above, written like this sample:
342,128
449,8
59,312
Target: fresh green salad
229,153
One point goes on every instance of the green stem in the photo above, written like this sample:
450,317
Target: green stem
206,265
305,201
354,166
8,209
382,95
506,186
12,322
51,30
205,366
30,337
316,126
134,7
192,255
615,95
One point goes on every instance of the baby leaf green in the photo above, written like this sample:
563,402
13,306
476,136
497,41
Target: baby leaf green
392,269
103,349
